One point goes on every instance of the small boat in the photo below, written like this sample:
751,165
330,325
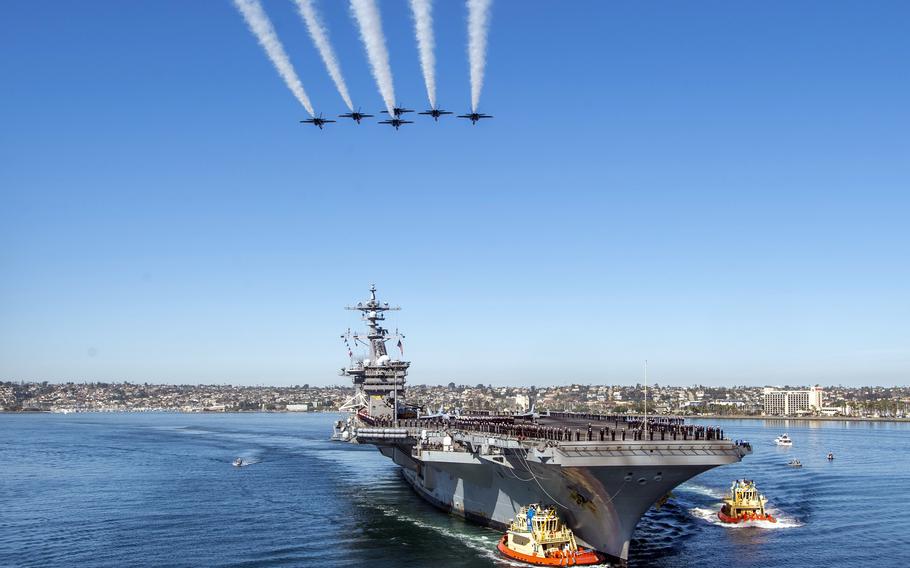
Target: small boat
745,503
795,463
239,462
783,440
537,536
830,456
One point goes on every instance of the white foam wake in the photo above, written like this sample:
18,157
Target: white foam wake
710,516
700,490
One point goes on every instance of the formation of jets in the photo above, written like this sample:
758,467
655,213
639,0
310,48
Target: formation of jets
395,119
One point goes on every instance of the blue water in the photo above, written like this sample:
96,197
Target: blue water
159,490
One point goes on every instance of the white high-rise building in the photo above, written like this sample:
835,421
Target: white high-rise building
522,402
786,403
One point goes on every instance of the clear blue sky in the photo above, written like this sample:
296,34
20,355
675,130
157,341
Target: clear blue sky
722,188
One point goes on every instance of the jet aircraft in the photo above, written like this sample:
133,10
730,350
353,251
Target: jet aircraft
397,111
396,122
441,414
435,113
357,116
318,121
531,414
475,116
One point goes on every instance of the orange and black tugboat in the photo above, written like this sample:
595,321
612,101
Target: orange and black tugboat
745,503
537,536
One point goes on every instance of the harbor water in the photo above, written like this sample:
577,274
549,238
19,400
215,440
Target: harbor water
158,489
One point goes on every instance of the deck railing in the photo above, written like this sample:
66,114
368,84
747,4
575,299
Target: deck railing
598,429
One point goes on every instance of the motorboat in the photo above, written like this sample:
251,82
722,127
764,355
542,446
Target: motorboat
795,463
239,462
783,440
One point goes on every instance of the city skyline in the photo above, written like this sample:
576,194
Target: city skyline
829,402
700,186
341,383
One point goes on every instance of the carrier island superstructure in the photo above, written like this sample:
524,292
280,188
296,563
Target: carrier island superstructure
602,472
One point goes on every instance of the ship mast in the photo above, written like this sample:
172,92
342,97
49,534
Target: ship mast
372,311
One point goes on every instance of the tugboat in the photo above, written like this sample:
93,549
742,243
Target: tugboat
783,440
744,504
537,536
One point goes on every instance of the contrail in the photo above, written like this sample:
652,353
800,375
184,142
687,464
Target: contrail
367,15
478,24
423,28
321,39
262,28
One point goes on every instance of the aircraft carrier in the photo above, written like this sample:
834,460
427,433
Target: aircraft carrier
602,472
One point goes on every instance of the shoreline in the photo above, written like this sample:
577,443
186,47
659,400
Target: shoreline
687,417
800,418
169,411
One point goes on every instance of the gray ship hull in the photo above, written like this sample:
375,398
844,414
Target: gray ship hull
601,503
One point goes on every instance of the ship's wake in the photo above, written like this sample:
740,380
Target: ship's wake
662,532
700,490
710,516
249,460
190,430
483,545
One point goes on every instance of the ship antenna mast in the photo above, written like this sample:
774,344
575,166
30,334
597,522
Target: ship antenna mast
378,377
646,398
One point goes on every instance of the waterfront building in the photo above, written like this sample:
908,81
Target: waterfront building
789,402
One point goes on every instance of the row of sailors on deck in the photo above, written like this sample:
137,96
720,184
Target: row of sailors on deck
654,432
591,434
